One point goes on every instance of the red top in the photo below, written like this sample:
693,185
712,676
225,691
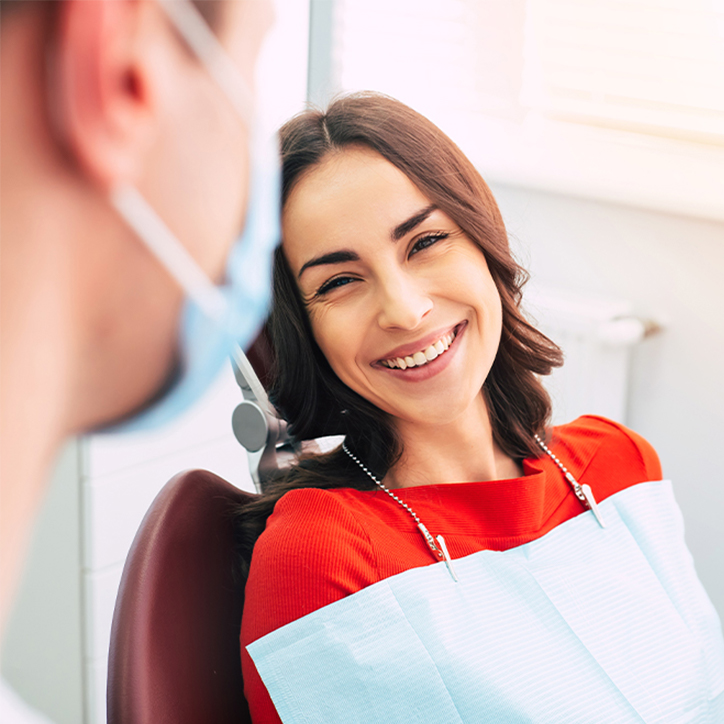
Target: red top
322,545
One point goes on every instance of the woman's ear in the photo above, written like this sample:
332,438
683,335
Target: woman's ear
103,99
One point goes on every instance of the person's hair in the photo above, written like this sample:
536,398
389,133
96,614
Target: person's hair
304,388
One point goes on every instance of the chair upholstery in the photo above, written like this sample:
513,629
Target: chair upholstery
174,654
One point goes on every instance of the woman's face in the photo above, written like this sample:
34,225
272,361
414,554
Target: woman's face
401,302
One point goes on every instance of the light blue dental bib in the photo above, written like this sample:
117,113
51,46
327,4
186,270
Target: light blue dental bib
584,625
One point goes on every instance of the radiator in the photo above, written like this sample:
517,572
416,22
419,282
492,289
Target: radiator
597,336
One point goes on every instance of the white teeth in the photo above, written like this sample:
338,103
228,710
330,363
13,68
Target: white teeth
431,353
423,357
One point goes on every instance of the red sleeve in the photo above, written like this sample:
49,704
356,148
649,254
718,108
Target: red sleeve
313,552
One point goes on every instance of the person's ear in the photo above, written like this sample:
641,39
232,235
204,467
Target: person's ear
103,98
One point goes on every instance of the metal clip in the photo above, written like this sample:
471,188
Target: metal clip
448,560
430,540
591,502
440,550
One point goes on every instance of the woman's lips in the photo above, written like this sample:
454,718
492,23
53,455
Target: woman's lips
424,370
422,356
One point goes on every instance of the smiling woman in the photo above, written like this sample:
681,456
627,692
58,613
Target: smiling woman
396,324
385,141
384,276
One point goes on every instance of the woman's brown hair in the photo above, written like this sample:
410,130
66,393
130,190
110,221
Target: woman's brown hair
305,389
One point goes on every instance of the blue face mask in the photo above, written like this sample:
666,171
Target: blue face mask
216,322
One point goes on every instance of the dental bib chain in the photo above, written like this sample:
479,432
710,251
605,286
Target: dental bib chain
437,545
583,492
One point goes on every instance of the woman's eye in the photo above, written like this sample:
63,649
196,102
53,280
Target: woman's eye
328,286
428,240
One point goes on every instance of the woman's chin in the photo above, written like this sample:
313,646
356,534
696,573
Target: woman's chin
438,412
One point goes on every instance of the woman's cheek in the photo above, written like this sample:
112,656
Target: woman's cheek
330,336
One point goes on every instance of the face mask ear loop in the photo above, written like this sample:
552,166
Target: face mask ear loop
149,226
139,215
192,27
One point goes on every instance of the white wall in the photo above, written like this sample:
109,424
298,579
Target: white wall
41,655
668,266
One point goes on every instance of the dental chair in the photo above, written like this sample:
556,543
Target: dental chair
174,655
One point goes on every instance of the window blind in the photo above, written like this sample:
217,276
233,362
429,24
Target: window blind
653,66
650,66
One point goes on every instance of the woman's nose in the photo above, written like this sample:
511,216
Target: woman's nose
403,302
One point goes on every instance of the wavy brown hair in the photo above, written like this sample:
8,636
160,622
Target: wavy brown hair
305,389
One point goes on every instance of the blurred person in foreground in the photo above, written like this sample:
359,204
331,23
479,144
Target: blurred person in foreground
128,170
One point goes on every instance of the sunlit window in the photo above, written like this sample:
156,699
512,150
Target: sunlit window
652,65
536,91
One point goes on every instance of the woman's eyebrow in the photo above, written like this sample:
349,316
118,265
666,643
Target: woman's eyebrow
334,257
338,257
415,220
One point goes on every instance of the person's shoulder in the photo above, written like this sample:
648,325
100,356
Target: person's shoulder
313,510
313,551
309,525
606,452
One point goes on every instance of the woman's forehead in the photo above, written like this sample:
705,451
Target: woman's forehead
352,169
352,193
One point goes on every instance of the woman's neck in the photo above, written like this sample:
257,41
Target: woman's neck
455,451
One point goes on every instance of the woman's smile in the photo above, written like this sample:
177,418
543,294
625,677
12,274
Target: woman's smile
429,359
396,293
